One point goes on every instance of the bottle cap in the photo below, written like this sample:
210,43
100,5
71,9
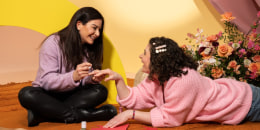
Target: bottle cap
83,124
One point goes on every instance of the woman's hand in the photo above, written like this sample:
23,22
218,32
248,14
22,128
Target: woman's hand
82,70
100,75
97,78
122,90
119,119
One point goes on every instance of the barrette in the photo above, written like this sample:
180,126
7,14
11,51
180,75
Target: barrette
161,48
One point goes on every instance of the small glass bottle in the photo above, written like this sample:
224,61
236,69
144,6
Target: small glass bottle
83,125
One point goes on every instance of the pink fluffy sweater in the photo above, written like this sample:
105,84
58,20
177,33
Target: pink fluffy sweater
191,98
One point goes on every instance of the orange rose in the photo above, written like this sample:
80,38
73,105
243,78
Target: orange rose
224,50
256,58
252,36
212,38
227,16
254,67
247,73
236,69
242,80
216,72
184,47
232,64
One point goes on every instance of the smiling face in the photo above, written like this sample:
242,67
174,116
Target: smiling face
145,58
90,31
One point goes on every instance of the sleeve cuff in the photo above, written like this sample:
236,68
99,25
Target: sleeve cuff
72,81
156,118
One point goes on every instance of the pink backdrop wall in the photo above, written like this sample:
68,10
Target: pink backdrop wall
19,51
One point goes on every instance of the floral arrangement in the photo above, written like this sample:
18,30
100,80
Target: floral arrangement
229,54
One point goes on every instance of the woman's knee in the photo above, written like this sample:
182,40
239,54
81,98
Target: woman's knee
96,92
27,94
101,90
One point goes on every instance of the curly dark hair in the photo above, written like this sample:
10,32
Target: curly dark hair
169,62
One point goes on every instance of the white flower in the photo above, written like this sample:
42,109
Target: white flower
247,62
235,45
207,51
217,63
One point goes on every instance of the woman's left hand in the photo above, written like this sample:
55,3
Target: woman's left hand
119,119
97,78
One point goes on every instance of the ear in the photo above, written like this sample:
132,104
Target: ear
79,25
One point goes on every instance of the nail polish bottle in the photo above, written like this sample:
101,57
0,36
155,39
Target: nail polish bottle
83,125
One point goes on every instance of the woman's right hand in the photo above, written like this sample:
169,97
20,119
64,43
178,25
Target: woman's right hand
82,70
119,119
111,74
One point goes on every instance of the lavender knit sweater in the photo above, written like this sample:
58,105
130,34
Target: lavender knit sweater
51,73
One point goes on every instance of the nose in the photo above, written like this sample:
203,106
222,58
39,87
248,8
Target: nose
140,56
97,33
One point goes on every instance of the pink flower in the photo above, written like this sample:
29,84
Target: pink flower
241,52
219,34
229,54
258,14
257,47
253,75
190,35
250,44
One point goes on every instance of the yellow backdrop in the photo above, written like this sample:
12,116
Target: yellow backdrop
48,16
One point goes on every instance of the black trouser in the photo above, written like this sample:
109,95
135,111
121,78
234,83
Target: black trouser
60,106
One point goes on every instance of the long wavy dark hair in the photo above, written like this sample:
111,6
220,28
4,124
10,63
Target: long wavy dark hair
170,61
70,42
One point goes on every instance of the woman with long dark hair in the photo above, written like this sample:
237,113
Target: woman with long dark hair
63,91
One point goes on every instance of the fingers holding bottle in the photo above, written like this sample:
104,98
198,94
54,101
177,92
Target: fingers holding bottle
82,70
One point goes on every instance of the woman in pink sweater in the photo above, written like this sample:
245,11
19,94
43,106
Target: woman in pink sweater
178,94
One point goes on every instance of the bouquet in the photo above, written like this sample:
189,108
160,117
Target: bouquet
228,54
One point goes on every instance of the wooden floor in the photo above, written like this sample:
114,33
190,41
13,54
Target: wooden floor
12,115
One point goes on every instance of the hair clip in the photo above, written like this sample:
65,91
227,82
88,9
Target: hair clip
160,49
154,43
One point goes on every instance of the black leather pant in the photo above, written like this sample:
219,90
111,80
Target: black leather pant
62,106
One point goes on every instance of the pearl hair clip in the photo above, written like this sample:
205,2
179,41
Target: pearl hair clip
160,49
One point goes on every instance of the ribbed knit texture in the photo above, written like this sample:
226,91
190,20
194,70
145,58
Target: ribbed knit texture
51,74
192,98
